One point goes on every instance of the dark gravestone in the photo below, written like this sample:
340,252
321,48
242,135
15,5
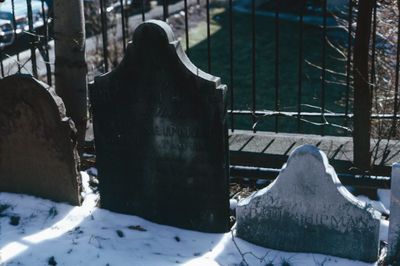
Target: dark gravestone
161,137
37,155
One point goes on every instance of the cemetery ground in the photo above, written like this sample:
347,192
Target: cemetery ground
172,170
34,231
41,232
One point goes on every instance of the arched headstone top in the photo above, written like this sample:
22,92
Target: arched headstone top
155,31
153,53
310,150
307,176
24,86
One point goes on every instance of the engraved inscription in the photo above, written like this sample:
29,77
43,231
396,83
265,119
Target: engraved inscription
301,214
307,219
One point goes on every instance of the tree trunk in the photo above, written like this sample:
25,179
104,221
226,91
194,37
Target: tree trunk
70,62
362,92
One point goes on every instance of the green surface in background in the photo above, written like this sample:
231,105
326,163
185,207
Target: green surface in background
265,69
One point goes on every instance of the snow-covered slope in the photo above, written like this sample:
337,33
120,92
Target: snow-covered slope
34,231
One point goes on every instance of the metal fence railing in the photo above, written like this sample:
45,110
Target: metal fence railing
24,26
288,64
336,30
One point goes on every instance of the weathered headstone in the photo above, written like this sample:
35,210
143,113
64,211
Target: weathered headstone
37,155
394,225
161,137
306,209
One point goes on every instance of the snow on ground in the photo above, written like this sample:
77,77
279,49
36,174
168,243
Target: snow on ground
34,231
383,206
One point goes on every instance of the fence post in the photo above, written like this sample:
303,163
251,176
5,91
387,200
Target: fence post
70,62
362,93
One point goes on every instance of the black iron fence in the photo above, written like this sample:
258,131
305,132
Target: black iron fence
304,66
289,65
25,25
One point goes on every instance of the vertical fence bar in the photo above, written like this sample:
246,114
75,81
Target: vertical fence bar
127,8
14,22
362,98
300,66
277,62
186,26
1,63
104,33
32,39
231,69
165,10
253,60
373,87
323,67
348,63
396,85
143,10
45,45
123,24
208,36
373,53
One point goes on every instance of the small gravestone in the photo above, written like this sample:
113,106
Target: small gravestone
306,209
37,155
394,225
161,137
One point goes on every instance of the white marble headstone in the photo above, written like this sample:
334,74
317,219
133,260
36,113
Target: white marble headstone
306,209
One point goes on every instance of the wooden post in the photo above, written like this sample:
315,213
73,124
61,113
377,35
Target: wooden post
362,92
70,62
